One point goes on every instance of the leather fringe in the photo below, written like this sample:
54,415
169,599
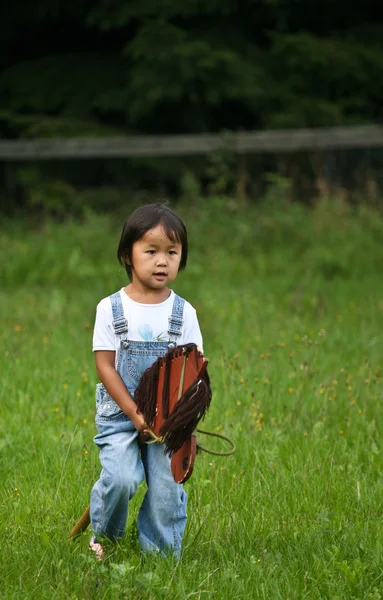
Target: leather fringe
145,395
187,413
180,424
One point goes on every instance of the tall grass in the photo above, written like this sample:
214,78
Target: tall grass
290,302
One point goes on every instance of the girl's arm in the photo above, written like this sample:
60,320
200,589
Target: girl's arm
105,366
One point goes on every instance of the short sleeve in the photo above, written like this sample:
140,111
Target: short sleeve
104,337
191,329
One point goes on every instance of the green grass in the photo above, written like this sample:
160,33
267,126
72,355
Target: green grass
290,302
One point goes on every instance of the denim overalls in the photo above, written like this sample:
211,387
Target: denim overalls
162,516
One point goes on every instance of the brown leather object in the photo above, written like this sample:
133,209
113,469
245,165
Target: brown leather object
182,461
173,396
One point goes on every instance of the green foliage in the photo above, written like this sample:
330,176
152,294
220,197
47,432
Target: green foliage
185,69
278,190
46,196
75,85
111,14
43,126
221,171
190,67
189,186
52,196
325,81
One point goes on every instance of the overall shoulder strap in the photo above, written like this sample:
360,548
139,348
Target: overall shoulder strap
120,324
176,318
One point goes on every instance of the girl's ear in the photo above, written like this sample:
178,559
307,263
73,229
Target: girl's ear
127,260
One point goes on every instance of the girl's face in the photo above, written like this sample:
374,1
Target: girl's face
155,260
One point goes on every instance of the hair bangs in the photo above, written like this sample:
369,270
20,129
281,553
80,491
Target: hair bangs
172,228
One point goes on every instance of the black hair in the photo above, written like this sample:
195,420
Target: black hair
142,220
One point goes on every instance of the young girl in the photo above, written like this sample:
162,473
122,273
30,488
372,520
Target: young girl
133,328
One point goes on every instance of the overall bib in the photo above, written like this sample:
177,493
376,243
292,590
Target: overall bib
162,516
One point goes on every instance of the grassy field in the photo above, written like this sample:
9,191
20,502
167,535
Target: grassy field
290,302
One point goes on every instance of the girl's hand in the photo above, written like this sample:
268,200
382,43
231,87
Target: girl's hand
138,421
142,428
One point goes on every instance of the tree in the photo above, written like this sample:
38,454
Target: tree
159,66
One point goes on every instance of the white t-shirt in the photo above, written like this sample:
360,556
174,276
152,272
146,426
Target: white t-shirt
146,322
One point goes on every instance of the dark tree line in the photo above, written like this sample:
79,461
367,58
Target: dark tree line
160,66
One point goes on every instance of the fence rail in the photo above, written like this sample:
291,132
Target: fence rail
364,136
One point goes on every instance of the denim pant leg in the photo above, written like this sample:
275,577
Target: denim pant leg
122,472
162,516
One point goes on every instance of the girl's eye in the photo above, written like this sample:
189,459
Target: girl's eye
172,252
151,251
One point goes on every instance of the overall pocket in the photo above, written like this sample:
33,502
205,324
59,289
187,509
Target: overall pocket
105,405
134,364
